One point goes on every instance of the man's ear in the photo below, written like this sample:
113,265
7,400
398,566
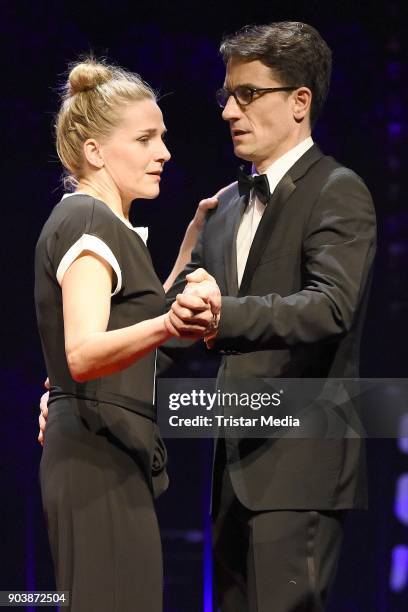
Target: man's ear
92,153
302,102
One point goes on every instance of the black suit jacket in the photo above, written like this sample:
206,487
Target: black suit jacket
298,313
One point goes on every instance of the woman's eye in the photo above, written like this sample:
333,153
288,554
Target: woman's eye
144,139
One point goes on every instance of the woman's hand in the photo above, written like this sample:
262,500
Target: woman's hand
201,212
42,418
191,235
204,206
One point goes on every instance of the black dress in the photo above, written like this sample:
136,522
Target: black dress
103,460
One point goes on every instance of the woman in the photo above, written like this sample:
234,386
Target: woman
100,314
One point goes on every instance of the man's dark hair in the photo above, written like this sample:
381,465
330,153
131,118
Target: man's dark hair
295,51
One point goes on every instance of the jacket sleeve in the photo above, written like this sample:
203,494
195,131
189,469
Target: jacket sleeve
338,250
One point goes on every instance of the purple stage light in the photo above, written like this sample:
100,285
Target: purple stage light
399,568
207,531
401,499
395,129
403,434
208,570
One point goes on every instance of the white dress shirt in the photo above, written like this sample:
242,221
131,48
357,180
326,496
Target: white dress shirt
255,209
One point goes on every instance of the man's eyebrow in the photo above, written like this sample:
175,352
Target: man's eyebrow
250,85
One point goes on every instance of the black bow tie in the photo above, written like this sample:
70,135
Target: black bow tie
259,183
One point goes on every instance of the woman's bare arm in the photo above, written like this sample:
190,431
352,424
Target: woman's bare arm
191,235
91,350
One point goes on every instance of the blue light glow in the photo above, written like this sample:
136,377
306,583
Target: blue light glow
403,434
401,499
399,568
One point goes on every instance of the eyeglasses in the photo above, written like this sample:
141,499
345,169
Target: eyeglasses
244,95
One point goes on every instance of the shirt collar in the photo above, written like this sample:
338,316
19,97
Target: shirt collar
143,232
279,168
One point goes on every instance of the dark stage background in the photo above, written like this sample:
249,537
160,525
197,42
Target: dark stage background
174,46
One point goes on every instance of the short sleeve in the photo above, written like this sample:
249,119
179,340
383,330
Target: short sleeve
84,224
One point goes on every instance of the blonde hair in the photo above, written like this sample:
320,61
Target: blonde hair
93,98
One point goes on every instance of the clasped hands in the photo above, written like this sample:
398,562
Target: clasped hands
195,313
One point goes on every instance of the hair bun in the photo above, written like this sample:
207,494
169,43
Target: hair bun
87,75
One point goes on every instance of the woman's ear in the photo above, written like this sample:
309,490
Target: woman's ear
92,153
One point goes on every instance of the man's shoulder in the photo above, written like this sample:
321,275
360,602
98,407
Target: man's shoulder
227,194
228,197
329,171
331,184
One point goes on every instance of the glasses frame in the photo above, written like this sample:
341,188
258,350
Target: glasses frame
253,90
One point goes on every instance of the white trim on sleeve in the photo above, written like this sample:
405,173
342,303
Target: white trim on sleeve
94,244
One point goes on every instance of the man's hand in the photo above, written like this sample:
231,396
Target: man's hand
203,285
42,418
190,316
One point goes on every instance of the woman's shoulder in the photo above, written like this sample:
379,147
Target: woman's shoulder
73,206
71,217
80,204
80,209
79,222
80,214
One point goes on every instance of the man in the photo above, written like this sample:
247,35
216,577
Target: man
292,253
292,256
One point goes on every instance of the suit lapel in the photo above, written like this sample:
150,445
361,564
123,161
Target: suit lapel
265,227
232,221
303,164
283,190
